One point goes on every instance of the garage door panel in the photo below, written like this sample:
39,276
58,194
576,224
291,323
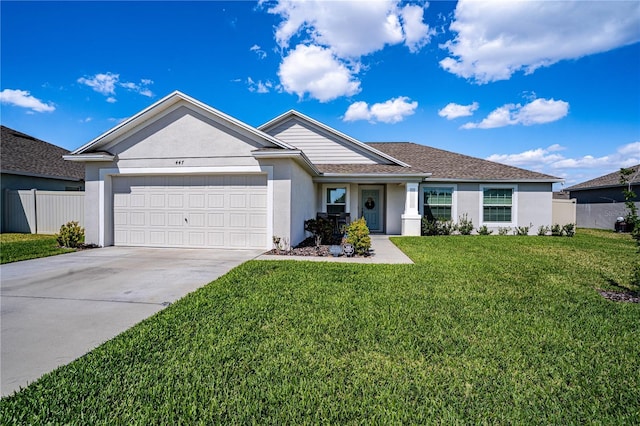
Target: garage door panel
191,211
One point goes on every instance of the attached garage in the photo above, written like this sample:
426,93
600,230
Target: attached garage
209,211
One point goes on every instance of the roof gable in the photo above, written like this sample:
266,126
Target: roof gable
166,106
323,144
26,155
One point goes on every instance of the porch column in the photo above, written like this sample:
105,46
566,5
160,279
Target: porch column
411,219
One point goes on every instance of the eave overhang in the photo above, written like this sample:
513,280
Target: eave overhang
90,157
294,154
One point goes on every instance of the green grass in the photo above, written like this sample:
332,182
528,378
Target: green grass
480,330
16,247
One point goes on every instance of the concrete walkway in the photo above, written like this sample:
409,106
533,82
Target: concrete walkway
384,251
55,309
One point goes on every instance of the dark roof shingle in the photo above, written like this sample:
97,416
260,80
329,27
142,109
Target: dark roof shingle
24,154
611,179
450,165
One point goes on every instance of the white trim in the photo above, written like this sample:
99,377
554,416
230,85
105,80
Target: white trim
454,198
98,156
514,205
104,185
347,187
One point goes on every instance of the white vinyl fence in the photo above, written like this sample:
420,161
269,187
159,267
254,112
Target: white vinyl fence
41,212
563,212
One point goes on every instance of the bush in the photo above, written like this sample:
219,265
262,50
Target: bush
522,231
483,230
543,230
71,235
465,225
504,231
358,236
320,228
569,229
437,227
556,230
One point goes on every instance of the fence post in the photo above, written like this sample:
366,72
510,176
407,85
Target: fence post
35,210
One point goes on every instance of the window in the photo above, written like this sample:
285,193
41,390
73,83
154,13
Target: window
497,205
336,200
438,203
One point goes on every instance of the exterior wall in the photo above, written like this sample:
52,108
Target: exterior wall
303,202
92,204
600,207
42,212
319,146
12,181
533,203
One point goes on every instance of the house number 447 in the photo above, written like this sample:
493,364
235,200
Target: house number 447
179,162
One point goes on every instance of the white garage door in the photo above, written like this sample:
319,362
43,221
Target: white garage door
217,211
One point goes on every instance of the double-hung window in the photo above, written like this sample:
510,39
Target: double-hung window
336,200
438,202
498,204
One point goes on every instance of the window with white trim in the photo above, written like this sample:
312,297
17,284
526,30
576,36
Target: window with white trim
498,204
438,202
336,200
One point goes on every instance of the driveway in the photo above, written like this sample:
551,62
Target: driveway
56,309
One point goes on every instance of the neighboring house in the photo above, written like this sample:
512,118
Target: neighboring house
600,201
183,174
30,163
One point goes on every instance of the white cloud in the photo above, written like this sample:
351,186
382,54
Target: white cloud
104,84
538,111
261,53
314,70
496,38
392,111
417,34
453,110
344,31
23,99
259,86
548,160
107,83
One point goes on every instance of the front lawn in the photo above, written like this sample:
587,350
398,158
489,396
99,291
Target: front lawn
480,330
16,247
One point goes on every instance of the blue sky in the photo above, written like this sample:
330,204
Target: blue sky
548,86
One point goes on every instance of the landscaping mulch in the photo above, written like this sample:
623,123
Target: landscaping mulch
616,296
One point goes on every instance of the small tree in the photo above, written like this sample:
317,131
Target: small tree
629,196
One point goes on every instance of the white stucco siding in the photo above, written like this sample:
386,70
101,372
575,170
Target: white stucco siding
535,205
183,134
321,147
303,204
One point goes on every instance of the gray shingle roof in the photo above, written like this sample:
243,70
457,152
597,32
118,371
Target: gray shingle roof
366,169
450,165
611,179
24,154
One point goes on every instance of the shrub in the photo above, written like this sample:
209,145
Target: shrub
504,231
71,235
320,228
358,236
522,231
483,230
437,227
543,230
556,230
569,229
465,225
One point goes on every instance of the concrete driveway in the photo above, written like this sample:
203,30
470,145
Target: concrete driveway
56,309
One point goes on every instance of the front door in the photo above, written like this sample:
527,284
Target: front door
371,208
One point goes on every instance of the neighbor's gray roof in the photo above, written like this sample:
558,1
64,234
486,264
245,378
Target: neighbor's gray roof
26,155
611,179
450,165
